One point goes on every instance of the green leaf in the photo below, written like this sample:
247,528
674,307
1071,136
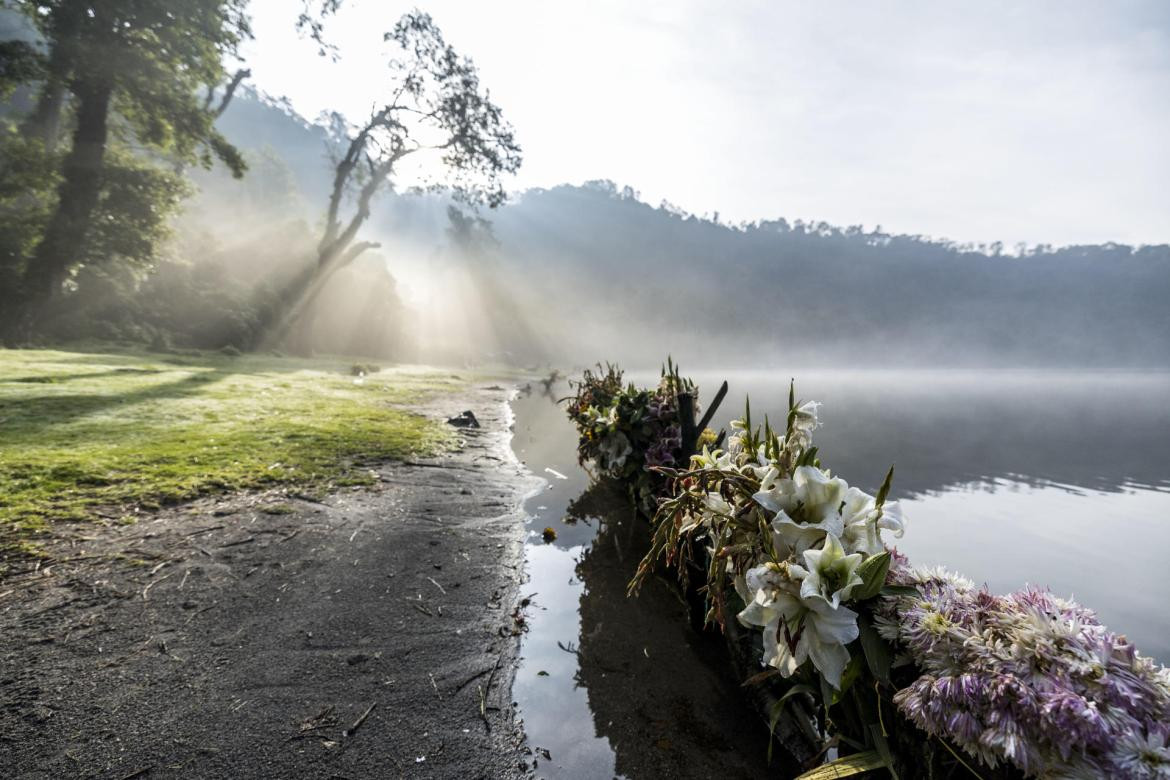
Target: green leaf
894,591
777,711
847,766
885,489
849,676
883,749
877,651
873,572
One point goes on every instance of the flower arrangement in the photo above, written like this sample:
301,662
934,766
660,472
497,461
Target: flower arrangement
871,656
627,432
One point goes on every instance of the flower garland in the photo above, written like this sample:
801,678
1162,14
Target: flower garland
1023,685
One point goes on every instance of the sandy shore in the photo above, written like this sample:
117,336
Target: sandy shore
372,634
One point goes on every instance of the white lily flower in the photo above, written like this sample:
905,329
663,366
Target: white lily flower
813,496
715,504
807,418
893,519
797,629
832,575
712,460
776,494
864,522
790,537
820,494
615,448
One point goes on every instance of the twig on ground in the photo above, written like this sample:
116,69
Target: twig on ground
471,679
198,613
349,732
239,542
437,585
483,709
204,531
485,690
422,609
152,584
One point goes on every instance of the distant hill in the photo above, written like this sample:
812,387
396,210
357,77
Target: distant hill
580,273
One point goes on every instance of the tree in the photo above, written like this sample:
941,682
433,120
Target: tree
436,107
142,61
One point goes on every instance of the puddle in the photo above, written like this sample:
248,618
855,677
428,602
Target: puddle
613,686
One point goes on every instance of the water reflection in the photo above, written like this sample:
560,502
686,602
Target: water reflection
1011,478
612,686
658,690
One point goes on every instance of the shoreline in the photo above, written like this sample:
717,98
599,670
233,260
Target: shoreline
217,639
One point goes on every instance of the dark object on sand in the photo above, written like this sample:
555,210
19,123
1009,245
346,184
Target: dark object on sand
464,420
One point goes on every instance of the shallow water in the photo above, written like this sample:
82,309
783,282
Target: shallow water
1011,478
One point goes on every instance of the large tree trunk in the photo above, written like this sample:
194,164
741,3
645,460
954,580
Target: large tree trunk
77,198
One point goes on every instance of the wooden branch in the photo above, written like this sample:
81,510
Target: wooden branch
230,91
355,251
336,242
686,419
718,399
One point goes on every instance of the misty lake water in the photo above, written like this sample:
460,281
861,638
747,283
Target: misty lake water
1010,477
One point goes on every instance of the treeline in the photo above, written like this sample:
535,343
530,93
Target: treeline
596,271
809,292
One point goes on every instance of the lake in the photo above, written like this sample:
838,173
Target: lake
1056,479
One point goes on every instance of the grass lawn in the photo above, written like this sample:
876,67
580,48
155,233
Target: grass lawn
110,431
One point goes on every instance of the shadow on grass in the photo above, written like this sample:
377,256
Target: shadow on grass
52,379
59,409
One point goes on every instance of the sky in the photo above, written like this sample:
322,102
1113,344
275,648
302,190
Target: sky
1038,122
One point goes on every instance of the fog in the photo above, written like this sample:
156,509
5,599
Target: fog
575,274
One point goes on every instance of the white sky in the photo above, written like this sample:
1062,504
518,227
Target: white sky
1040,121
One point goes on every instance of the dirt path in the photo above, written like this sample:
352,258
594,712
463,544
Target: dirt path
371,635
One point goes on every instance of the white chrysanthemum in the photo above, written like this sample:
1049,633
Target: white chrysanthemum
941,575
1145,755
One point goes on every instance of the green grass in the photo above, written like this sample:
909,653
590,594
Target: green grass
88,432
